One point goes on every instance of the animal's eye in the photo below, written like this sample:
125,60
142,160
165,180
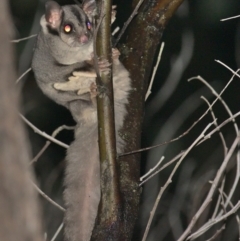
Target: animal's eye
89,25
67,28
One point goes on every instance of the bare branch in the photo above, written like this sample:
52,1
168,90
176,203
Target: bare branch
135,12
169,180
225,19
22,39
59,129
154,71
152,169
28,70
211,192
57,232
43,133
47,197
163,167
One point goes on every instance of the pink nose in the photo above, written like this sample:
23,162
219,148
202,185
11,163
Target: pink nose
83,39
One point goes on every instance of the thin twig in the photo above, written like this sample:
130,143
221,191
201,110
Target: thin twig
237,217
219,200
22,39
47,197
36,130
225,19
135,12
236,130
217,233
163,167
225,149
154,71
57,232
212,222
211,192
152,169
189,129
28,70
208,136
63,127
169,180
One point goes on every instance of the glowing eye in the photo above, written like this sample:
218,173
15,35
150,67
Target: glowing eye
67,28
89,26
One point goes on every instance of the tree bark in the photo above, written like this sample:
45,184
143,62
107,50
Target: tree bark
143,38
20,219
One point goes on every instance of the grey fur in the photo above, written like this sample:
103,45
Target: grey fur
55,58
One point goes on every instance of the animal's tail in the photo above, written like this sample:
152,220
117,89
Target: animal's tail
82,185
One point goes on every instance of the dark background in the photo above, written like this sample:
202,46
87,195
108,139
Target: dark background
194,38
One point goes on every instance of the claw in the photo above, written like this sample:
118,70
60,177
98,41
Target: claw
104,66
115,53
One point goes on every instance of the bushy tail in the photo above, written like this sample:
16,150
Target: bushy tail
82,185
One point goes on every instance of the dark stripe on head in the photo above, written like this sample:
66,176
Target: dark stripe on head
52,31
77,14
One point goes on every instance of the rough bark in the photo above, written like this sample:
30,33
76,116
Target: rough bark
20,219
142,41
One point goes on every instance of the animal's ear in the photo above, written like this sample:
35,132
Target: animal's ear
89,7
53,14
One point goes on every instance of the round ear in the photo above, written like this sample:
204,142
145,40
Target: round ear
53,14
89,7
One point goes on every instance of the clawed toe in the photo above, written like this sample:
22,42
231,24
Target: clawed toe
115,53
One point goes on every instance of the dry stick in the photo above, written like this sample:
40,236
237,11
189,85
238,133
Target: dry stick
154,71
163,167
47,197
152,169
231,205
225,19
219,200
135,12
28,70
184,133
22,39
169,180
36,130
225,149
236,130
176,72
225,153
206,137
211,191
218,96
217,233
59,129
192,126
212,222
57,232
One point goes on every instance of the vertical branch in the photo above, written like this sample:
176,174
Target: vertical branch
138,59
107,226
20,219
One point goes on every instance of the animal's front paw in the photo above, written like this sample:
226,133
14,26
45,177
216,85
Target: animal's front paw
93,90
114,12
104,66
90,74
115,53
